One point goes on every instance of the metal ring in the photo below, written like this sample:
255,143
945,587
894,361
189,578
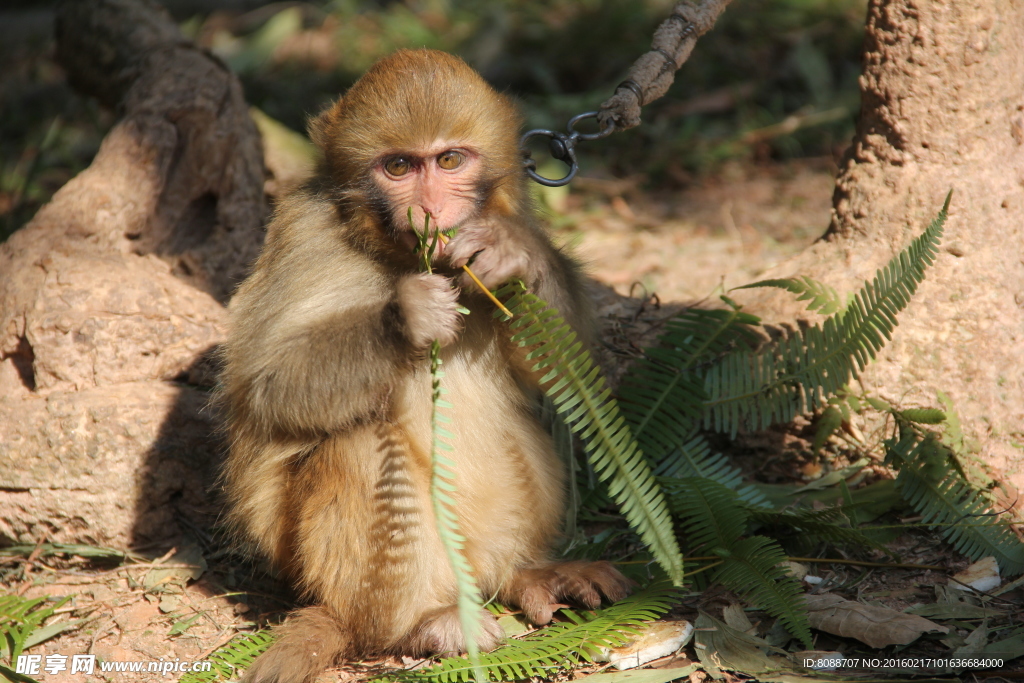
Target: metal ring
567,156
603,133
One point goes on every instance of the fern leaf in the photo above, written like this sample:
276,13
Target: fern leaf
442,484
820,297
662,393
442,477
20,620
579,394
237,655
796,374
830,525
557,647
933,489
751,569
709,512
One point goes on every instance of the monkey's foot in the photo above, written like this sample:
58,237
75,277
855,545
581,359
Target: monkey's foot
539,591
441,633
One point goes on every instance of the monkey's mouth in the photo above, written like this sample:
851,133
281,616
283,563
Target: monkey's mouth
408,238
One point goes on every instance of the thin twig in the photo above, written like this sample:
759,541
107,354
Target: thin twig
479,284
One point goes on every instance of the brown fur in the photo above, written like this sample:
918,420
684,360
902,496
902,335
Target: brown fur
328,392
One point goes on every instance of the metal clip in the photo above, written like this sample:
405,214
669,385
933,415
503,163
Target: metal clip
562,147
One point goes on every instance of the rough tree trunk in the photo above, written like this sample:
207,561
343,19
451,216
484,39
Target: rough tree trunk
111,295
942,108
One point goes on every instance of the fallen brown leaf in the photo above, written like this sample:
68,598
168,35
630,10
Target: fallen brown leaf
874,626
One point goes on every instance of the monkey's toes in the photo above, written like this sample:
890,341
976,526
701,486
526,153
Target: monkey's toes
540,591
440,632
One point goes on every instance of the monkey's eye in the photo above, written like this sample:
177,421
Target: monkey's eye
450,159
397,166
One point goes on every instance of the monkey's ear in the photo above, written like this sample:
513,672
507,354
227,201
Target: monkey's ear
320,126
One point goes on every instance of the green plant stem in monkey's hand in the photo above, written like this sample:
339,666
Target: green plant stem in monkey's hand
442,479
574,384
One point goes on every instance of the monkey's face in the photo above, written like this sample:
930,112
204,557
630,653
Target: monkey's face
441,179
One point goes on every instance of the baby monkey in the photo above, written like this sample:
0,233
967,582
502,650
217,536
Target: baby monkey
327,387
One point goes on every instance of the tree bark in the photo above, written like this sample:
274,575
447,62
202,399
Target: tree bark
112,294
942,108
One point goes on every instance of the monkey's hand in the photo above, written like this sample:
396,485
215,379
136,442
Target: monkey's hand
502,253
540,591
429,306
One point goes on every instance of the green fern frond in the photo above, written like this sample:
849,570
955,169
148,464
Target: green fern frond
21,623
708,512
442,486
693,458
442,473
796,374
662,393
752,569
236,656
820,297
829,525
557,647
931,485
578,391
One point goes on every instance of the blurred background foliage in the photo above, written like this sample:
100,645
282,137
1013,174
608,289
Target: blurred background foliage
775,79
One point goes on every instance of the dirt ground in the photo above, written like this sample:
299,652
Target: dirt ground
688,245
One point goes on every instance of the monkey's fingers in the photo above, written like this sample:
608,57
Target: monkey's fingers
609,580
475,279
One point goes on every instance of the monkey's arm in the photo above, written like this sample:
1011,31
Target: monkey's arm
321,333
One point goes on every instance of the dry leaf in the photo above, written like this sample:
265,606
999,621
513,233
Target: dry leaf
875,626
186,564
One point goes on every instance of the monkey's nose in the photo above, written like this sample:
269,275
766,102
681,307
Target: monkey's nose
434,210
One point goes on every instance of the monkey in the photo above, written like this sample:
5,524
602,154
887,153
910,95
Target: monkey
326,384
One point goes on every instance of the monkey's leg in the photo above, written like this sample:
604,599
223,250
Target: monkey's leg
540,590
308,643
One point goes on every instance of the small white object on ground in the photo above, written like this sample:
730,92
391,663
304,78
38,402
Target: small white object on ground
982,576
659,639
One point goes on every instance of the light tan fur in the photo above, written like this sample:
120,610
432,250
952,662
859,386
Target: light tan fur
327,387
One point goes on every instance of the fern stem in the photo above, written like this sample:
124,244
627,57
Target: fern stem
441,485
442,481
483,288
